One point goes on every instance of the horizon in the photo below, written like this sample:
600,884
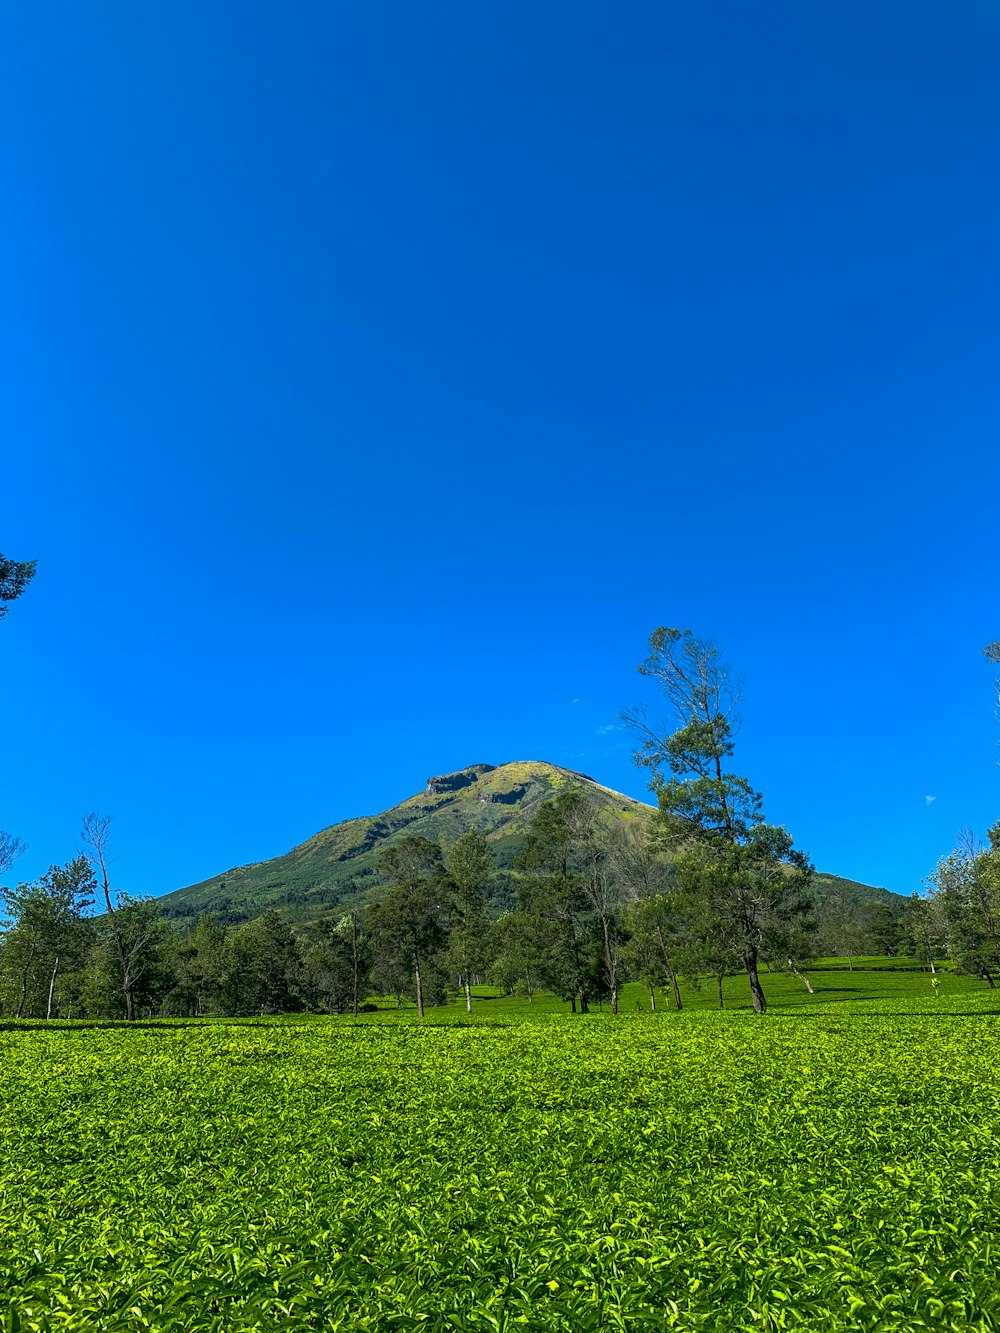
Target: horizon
380,380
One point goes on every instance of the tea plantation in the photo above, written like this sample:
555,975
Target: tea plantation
833,1165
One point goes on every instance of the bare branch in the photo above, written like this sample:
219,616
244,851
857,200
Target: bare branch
10,849
96,837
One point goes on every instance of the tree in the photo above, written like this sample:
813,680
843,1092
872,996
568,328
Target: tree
602,892
879,929
351,927
838,924
261,970
334,959
552,900
10,849
410,925
195,960
658,922
965,891
924,931
751,881
517,957
15,575
133,927
992,654
47,939
469,867
128,970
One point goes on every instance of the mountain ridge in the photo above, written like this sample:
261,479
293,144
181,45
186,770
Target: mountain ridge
336,868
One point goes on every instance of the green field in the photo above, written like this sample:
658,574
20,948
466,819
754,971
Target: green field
833,1165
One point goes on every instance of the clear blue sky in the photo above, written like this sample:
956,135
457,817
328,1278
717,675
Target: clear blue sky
377,376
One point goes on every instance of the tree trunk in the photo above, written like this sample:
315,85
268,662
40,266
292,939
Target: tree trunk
933,968
756,989
468,995
572,1004
804,979
584,1005
678,1003
52,987
24,982
354,964
989,980
609,963
850,962
420,987
718,987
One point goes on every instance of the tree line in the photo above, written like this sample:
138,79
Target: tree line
702,888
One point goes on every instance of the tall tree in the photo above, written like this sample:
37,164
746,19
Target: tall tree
15,575
410,925
965,891
128,971
603,894
924,931
469,868
334,959
553,903
839,924
47,939
747,873
132,926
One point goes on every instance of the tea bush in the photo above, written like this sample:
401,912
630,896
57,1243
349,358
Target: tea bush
823,1168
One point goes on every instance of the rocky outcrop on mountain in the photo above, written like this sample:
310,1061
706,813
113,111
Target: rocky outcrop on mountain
465,777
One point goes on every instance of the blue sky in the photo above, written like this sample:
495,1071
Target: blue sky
378,376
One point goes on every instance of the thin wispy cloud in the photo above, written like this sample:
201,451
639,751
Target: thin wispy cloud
929,800
604,731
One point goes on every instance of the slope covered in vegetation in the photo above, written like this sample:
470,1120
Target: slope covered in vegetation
337,867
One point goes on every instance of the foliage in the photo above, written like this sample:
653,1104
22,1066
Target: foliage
261,968
410,925
15,575
47,941
469,868
965,894
747,884
337,870
693,1172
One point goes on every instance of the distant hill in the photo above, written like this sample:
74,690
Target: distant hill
337,868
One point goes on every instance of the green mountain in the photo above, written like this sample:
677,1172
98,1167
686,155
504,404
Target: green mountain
337,868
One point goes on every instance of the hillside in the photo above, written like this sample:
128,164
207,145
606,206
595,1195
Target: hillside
338,867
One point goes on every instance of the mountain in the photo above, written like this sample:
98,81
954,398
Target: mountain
337,868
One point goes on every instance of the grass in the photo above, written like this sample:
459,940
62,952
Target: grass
834,1165
871,980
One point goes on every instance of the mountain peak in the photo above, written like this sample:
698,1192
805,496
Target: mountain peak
338,867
